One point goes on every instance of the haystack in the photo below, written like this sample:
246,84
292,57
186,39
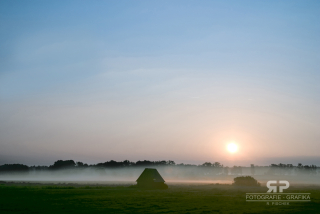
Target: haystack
150,178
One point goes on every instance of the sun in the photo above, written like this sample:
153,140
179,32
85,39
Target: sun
232,148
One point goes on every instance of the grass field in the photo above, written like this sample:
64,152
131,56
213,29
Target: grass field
208,198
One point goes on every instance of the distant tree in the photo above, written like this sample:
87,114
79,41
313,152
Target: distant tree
160,163
207,164
110,164
113,164
217,164
61,164
312,169
144,163
236,170
252,169
171,162
39,168
127,163
226,170
79,164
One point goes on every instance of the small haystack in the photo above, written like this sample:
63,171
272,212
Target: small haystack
150,178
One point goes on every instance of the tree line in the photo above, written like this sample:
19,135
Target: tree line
71,164
215,168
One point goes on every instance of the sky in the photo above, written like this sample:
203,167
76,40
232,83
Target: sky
95,81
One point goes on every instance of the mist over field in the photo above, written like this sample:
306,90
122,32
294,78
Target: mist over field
171,174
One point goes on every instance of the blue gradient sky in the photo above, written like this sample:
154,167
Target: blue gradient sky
100,80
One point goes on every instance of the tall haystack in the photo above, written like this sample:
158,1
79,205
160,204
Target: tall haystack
150,178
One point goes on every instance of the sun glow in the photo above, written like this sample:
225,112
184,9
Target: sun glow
232,148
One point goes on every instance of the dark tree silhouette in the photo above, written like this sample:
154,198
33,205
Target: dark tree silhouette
60,164
207,164
14,168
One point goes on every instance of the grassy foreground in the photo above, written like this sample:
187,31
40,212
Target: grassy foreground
119,199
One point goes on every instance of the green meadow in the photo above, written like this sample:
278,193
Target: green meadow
206,198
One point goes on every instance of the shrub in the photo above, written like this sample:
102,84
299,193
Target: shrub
245,181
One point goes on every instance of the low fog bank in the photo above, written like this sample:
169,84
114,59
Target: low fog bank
171,174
